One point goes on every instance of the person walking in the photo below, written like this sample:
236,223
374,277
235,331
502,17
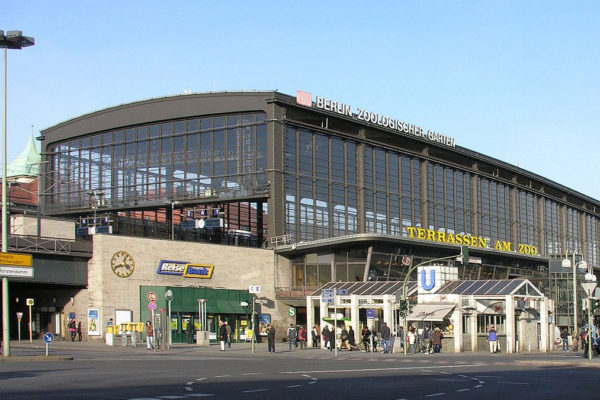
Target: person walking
149,336
386,333
366,335
72,329
271,338
332,337
493,339
351,338
79,332
228,329
222,334
427,340
315,336
564,337
302,337
292,335
325,334
411,340
436,339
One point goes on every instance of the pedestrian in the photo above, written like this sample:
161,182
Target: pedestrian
292,335
411,340
344,339
72,329
149,336
564,337
351,339
493,339
575,343
325,334
400,334
302,338
315,336
427,340
366,335
228,328
222,334
271,338
79,332
386,333
436,339
332,337
188,332
375,338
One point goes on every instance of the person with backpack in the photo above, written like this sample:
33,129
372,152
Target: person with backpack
302,338
292,336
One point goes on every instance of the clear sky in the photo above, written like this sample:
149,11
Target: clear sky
515,80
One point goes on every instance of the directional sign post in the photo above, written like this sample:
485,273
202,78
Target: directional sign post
48,338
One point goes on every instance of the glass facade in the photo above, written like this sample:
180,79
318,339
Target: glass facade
190,158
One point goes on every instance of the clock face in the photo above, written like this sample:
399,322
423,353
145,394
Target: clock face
122,264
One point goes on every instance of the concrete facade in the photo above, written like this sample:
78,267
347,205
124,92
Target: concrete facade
234,268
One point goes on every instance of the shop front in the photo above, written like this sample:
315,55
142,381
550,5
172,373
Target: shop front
190,304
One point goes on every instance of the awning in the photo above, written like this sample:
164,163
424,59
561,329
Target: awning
230,307
430,312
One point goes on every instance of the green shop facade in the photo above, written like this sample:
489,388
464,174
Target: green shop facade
233,306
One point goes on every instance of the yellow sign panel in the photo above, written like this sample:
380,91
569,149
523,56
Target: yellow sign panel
15,260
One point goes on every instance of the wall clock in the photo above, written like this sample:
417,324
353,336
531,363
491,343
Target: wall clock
122,264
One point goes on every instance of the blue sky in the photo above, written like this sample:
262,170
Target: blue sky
514,80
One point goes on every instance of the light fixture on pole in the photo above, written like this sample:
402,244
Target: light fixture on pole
582,267
589,286
169,297
13,40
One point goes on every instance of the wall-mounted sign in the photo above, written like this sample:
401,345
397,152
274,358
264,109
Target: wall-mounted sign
166,267
468,240
198,271
383,121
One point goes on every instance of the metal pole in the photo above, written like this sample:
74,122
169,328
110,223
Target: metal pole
169,325
589,335
574,296
5,308
335,322
253,337
172,221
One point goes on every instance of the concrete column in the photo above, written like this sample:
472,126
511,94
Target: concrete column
458,328
310,312
510,324
387,309
474,336
544,328
354,317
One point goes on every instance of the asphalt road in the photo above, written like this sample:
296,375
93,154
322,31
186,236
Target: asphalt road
95,371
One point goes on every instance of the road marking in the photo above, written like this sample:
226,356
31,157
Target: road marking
190,383
200,395
221,376
450,380
435,394
292,386
337,371
311,382
514,383
172,397
255,390
189,389
477,386
252,373
200,379
305,375
463,390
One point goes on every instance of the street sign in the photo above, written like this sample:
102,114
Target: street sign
19,315
342,292
48,338
254,289
327,295
29,302
15,260
370,313
291,311
151,306
152,296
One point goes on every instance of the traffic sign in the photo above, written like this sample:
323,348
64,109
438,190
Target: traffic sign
291,311
327,295
48,338
342,292
152,296
254,289
151,306
29,302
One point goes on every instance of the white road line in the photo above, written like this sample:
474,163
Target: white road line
221,376
463,390
252,373
172,397
190,383
450,380
305,375
488,376
189,389
200,379
514,383
311,382
200,395
337,371
446,373
478,386
292,386
254,391
435,394
463,376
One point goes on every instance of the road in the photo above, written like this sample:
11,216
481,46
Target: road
95,371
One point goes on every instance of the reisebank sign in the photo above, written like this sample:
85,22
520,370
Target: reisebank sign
305,99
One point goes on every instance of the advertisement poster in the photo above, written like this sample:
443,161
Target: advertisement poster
93,322
263,321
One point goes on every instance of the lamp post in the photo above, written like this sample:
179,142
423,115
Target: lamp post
12,40
589,285
582,266
173,204
169,297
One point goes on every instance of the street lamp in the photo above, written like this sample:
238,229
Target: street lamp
589,285
169,297
12,40
582,266
173,205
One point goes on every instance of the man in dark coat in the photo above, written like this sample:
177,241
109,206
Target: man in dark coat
271,338
223,334
436,339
